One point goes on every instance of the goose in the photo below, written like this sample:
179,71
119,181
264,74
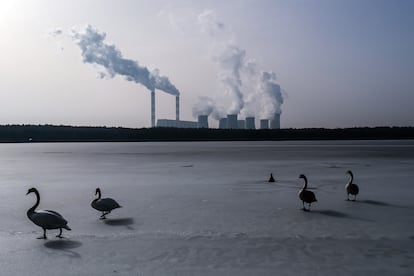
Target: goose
305,195
47,219
105,205
351,188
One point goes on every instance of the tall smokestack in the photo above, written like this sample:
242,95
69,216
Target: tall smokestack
177,108
153,108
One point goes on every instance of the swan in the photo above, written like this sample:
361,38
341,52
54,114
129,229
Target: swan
47,219
271,179
105,205
351,188
305,195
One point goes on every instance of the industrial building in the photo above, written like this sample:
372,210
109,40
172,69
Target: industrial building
175,123
264,124
275,121
230,122
202,121
223,123
250,124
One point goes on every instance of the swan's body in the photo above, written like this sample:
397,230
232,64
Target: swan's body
305,195
47,219
351,188
105,205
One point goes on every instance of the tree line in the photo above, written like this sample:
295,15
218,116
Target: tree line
54,133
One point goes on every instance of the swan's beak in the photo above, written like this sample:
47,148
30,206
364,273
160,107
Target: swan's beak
27,192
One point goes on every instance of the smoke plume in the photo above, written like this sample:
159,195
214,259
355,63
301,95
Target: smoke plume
205,106
95,50
271,94
251,90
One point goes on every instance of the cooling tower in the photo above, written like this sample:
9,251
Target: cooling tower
223,123
202,121
275,121
250,123
232,121
177,108
264,124
153,108
241,124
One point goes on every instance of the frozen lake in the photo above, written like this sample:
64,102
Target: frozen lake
206,208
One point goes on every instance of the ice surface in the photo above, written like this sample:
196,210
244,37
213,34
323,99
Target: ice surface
206,208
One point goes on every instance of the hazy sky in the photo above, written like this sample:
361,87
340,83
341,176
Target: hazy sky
338,63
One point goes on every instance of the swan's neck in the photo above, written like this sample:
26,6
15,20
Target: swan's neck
32,210
98,192
351,179
306,183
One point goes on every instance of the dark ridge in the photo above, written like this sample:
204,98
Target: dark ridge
52,133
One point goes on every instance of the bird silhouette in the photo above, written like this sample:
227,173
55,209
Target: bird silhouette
105,205
351,188
305,195
47,219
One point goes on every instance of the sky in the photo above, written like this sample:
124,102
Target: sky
321,63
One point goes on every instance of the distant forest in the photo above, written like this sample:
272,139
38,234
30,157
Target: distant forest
52,133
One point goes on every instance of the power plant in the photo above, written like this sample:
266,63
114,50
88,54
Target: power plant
229,122
95,50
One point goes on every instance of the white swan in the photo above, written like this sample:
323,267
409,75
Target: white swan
305,195
105,205
351,188
47,219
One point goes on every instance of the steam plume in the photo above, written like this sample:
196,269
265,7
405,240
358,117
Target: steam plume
96,51
271,94
250,89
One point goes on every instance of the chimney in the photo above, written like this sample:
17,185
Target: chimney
153,108
177,108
